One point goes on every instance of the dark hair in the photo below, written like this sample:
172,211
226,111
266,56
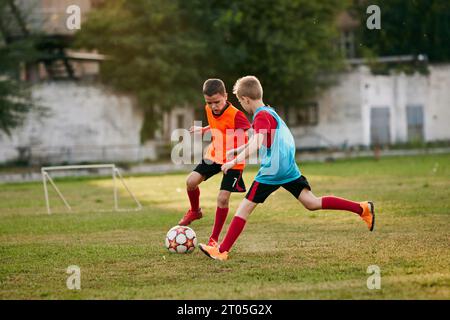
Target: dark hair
213,86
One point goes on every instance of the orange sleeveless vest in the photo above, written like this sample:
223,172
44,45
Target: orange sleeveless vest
224,136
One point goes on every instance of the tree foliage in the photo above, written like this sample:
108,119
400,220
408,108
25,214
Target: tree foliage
15,96
15,103
407,27
152,53
163,51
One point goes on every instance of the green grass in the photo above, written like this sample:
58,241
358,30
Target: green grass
285,252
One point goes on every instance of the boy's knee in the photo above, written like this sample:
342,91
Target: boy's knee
191,183
223,200
310,201
311,205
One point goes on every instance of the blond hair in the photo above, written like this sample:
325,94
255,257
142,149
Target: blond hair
248,86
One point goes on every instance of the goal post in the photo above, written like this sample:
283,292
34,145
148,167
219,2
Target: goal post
115,174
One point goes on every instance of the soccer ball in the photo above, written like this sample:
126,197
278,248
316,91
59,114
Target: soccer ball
181,239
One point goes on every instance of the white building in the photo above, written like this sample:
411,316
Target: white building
84,123
87,122
365,109
90,123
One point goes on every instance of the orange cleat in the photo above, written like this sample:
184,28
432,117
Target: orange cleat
212,243
213,252
368,214
190,216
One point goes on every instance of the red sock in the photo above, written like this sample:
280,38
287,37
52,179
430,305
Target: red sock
221,217
234,230
194,198
336,203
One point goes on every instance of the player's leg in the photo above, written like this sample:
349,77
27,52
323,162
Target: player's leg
365,209
309,200
201,173
302,191
222,209
193,191
231,182
258,193
234,230
237,224
223,199
192,182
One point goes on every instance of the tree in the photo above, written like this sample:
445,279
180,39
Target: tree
15,102
289,44
15,96
162,51
407,27
153,53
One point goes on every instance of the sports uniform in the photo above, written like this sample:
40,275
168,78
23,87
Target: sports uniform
227,133
279,169
277,153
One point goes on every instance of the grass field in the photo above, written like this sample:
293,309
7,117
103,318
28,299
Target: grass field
285,251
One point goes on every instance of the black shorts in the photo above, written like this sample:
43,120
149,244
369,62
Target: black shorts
259,192
232,181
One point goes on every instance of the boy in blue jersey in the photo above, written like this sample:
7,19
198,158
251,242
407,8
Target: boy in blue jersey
276,147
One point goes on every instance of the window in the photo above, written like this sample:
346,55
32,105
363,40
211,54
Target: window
380,133
180,121
306,114
414,117
347,44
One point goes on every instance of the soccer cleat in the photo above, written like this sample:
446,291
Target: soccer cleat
212,243
213,252
368,214
190,216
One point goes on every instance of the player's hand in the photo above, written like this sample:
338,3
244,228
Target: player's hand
195,129
227,166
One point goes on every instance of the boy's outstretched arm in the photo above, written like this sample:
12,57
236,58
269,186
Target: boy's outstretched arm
250,148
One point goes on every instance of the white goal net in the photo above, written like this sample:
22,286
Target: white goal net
82,193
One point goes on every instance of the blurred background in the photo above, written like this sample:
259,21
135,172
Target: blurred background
89,81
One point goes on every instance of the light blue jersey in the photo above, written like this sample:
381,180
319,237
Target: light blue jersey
278,164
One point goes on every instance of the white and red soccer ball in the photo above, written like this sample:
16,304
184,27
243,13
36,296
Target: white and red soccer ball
181,239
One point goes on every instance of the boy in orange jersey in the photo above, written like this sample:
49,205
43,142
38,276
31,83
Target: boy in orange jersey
276,147
227,126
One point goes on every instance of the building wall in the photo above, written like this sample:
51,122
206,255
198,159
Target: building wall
90,123
177,118
437,117
340,117
50,16
395,92
400,91
85,123
345,109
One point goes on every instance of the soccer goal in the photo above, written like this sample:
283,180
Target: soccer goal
115,174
